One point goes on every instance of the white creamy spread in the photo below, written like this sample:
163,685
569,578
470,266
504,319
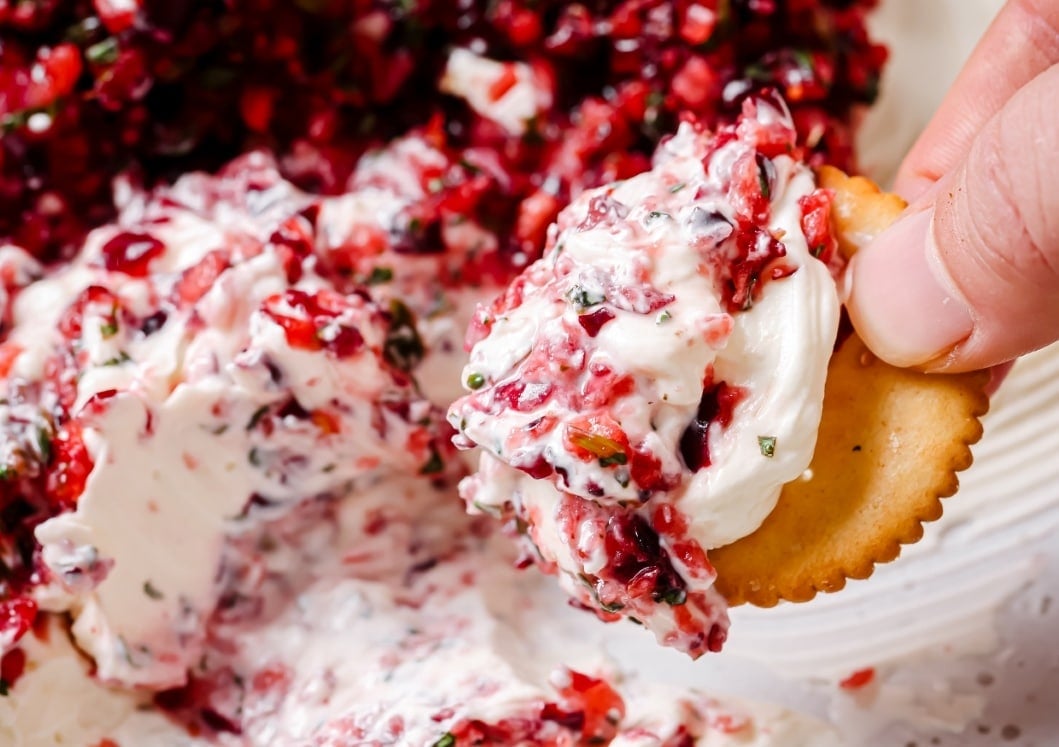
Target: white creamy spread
381,660
216,418
668,352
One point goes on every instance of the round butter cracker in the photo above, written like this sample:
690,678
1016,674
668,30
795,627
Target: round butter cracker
891,441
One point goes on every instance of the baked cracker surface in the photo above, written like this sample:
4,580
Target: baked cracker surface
891,441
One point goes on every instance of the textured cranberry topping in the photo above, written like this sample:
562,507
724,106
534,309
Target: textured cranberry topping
87,88
638,561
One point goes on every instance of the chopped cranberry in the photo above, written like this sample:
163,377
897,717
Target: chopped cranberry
816,224
71,466
342,341
523,396
12,665
117,15
131,253
198,279
95,297
717,405
603,210
154,322
593,322
16,617
859,679
597,437
314,322
638,560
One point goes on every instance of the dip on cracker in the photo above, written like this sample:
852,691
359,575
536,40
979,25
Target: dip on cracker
643,393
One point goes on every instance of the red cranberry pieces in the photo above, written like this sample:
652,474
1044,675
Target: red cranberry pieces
314,324
816,224
638,560
716,406
16,618
593,322
131,253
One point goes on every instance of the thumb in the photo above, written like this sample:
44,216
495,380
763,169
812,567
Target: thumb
969,276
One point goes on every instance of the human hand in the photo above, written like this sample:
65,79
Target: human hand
968,278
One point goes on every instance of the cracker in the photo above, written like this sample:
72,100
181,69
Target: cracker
891,441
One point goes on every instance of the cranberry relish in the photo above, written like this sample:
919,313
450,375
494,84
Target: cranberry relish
91,88
600,374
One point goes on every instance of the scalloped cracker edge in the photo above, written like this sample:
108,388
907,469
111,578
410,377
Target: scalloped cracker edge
891,441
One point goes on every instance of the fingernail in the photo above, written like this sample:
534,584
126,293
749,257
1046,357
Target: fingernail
900,299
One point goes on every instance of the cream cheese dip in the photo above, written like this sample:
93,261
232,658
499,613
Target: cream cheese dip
642,393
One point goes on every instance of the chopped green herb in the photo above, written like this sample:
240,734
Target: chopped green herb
818,250
327,468
220,430
767,444
380,275
756,71
532,134
475,381
674,597
748,303
3,687
117,360
6,473
664,317
611,607
447,740
469,166
256,417
415,225
218,77
403,348
622,476
254,457
763,182
804,59
151,591
583,298
82,31
677,187
104,52
44,445
657,215
493,511
612,459
599,446
15,120
109,329
435,185
433,465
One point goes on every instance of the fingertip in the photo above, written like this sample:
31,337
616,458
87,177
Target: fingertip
899,299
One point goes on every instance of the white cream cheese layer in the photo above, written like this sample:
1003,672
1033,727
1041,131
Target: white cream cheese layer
174,422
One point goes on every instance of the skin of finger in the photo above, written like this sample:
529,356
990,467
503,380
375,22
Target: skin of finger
996,230
997,374
1022,41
